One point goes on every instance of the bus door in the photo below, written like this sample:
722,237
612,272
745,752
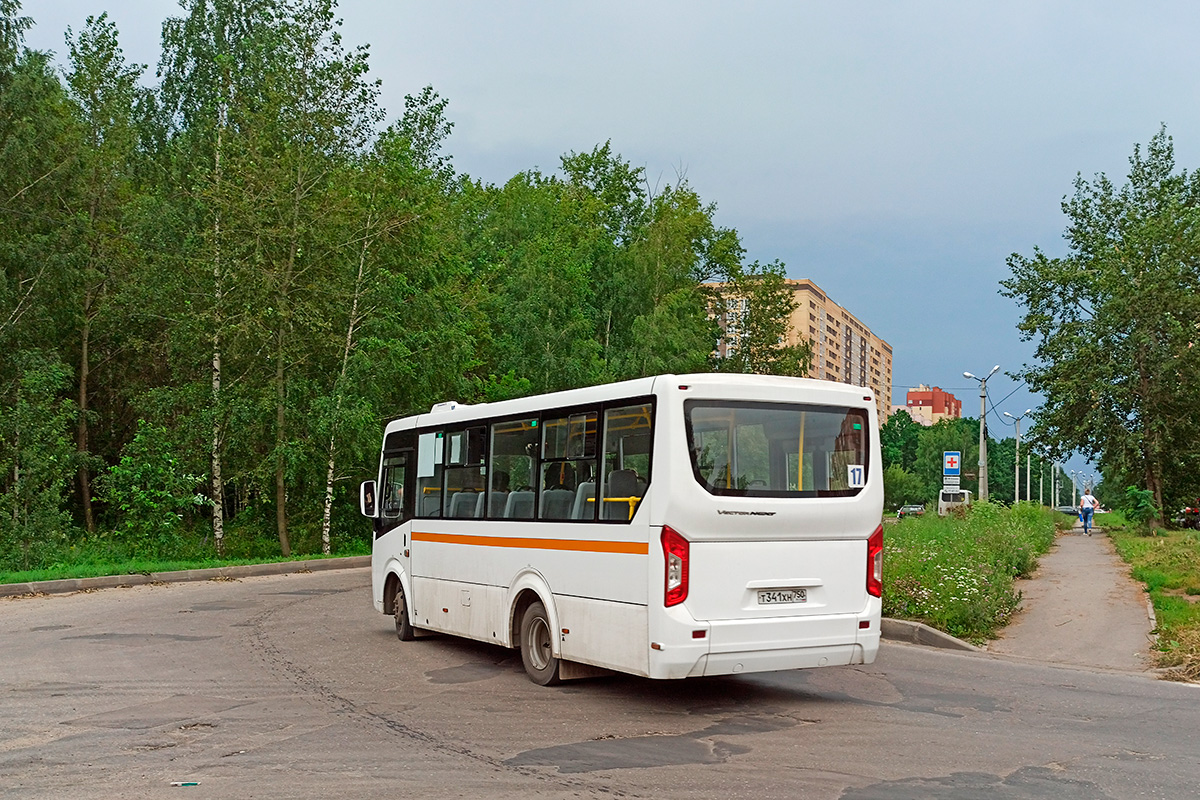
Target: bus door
396,502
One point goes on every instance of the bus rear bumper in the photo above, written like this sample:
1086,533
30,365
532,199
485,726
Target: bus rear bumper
771,644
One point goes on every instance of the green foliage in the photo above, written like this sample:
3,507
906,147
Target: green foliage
1169,565
1115,322
763,325
960,435
898,439
1139,505
957,573
151,492
901,486
36,462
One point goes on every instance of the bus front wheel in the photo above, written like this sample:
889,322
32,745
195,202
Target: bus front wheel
537,648
404,628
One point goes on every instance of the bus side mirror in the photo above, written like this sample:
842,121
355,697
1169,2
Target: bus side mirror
366,499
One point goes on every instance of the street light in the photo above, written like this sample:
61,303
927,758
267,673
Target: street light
1073,474
983,492
1017,459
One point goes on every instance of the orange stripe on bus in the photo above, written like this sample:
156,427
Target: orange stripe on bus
580,545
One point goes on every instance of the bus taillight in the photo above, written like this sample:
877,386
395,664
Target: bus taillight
875,563
675,553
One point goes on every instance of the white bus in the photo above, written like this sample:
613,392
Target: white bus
667,527
950,499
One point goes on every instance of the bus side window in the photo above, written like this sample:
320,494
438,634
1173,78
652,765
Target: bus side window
627,439
512,476
429,474
567,463
465,472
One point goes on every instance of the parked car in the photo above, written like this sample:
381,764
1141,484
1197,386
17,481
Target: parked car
1189,516
910,510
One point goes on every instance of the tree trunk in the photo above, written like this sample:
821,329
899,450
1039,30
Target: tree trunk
218,485
351,325
81,438
285,288
1150,452
285,546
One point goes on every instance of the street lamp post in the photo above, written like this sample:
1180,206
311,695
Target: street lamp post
1028,485
983,487
1017,459
1073,487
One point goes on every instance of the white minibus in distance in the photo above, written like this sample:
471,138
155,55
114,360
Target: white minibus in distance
950,499
668,527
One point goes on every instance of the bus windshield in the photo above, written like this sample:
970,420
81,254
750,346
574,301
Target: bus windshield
777,449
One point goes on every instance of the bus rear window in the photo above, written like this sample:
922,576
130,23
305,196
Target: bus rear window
777,449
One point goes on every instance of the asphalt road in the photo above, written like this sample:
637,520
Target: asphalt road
292,686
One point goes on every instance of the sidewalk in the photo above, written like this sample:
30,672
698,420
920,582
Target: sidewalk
1081,608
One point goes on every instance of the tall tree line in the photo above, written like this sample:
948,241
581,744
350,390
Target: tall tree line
214,289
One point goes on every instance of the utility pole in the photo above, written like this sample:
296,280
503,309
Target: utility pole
1027,484
983,486
1017,460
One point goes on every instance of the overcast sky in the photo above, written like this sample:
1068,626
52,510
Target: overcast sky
893,152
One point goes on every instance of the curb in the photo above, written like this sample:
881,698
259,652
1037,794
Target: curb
67,585
902,630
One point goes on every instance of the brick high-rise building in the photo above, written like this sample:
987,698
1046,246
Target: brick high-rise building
928,405
843,348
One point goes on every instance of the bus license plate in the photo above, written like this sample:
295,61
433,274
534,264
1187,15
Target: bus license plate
774,596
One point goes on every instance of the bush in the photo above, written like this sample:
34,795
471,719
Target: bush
37,462
1139,505
151,492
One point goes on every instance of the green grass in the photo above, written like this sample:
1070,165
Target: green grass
1168,563
958,573
91,559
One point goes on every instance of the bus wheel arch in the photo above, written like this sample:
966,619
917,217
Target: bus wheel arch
395,603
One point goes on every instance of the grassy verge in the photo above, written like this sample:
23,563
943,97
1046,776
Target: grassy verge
957,573
1168,562
96,561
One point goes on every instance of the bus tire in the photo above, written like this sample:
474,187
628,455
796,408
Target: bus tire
404,628
537,646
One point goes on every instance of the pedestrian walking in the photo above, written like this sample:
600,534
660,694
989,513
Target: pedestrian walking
1087,507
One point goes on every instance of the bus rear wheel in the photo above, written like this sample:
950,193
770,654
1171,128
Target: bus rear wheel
404,628
537,646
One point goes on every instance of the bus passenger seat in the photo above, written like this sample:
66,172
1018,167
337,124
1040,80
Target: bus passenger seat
621,483
431,504
585,500
496,504
519,505
462,504
556,503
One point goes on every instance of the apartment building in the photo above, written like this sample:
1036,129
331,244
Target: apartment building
843,348
928,405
